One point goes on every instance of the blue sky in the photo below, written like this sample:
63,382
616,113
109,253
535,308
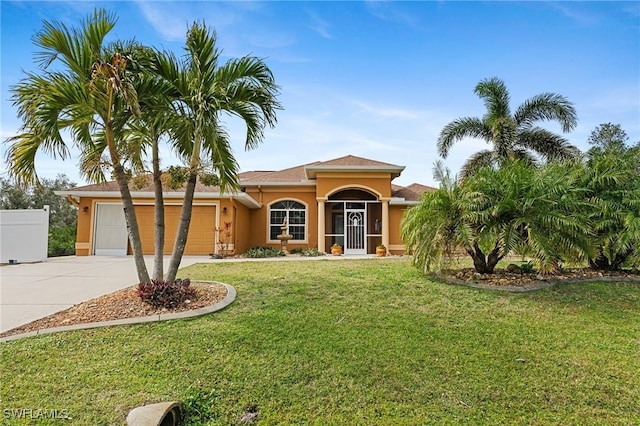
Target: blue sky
376,79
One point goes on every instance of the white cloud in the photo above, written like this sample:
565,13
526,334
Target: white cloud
319,25
389,11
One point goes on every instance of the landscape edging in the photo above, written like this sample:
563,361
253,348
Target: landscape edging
526,288
229,298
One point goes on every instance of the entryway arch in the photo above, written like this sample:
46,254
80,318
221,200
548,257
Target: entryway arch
353,218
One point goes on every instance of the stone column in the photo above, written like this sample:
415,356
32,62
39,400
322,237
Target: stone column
321,230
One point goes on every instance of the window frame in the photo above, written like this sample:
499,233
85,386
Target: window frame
287,210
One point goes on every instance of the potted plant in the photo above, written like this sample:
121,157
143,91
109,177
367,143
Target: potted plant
336,249
381,250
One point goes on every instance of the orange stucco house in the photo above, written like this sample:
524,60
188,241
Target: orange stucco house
348,200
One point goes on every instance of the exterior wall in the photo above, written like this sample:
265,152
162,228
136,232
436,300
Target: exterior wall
242,227
260,218
396,245
84,232
328,183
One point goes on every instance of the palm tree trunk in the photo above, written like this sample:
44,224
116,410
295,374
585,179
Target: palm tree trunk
132,224
493,258
183,227
158,267
129,211
479,260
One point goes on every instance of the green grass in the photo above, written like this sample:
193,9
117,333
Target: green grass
351,342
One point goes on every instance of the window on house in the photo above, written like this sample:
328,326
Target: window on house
296,215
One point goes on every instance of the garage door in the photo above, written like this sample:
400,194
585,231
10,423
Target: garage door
201,238
110,234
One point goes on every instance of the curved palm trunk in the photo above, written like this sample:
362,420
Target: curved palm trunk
183,227
158,266
484,264
129,212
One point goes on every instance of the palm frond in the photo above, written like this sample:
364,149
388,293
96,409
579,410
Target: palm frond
459,129
550,146
547,107
496,99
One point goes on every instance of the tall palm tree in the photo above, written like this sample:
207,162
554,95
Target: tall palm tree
513,136
92,97
203,90
145,132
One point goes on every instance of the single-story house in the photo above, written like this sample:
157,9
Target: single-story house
349,200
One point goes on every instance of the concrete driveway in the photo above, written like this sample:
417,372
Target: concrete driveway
31,291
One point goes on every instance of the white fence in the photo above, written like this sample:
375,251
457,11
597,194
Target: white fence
24,235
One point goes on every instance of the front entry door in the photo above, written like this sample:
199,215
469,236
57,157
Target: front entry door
354,231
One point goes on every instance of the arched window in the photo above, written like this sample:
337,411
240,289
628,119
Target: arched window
296,215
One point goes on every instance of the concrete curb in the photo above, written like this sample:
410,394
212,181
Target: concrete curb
230,297
527,288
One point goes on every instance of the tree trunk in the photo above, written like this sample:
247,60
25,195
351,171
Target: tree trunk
183,227
601,262
158,266
479,261
127,204
132,224
493,258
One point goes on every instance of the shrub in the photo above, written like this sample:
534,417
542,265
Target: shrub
312,252
62,241
527,268
163,294
260,252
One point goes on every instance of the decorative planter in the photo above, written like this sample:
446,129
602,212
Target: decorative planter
381,251
336,250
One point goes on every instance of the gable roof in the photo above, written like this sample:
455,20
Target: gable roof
351,163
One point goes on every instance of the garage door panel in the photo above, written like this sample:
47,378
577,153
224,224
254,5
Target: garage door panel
110,237
200,240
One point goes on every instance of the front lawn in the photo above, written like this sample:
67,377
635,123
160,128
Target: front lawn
351,342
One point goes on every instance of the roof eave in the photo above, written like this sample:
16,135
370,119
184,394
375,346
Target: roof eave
241,197
312,170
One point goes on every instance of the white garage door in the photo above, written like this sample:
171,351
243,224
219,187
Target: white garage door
110,237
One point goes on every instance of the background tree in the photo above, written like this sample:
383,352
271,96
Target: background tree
203,89
611,176
513,136
63,216
90,95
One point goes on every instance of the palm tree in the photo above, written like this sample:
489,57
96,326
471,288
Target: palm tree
611,175
145,132
203,89
92,97
439,225
538,211
512,136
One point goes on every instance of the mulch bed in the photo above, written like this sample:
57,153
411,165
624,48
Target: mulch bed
120,305
510,281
